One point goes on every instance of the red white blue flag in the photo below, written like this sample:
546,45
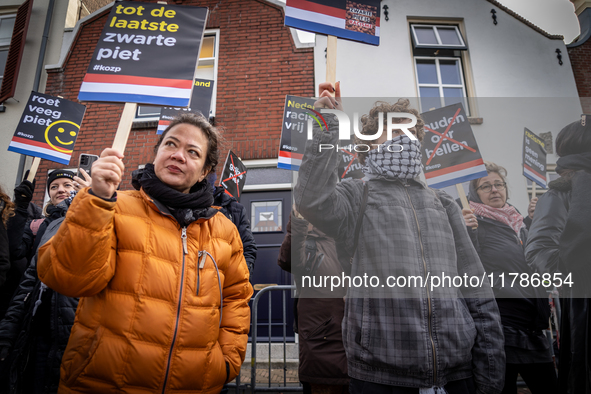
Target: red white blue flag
147,54
350,20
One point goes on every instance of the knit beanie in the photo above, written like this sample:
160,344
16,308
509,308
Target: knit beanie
58,174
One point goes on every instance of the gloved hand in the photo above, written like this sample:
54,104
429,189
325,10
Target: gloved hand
23,193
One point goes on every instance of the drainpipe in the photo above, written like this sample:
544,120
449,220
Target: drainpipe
37,80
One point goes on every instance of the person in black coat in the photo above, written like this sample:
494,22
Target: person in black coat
499,232
559,244
236,212
36,327
6,211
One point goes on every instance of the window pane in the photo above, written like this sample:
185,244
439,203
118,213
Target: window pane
207,47
3,57
204,72
449,36
454,96
429,98
450,72
426,71
148,110
425,35
6,26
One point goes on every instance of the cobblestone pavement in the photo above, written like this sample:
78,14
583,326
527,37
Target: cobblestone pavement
277,376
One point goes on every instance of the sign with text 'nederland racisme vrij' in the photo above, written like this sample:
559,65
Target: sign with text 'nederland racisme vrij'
351,20
294,131
534,158
48,128
450,153
147,54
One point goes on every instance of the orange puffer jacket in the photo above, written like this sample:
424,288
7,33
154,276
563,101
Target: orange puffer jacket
150,319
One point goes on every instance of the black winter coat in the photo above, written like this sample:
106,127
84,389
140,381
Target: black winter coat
320,311
4,255
524,310
543,255
236,212
23,324
18,265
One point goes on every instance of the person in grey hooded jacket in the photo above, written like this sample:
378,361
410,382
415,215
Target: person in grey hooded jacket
413,338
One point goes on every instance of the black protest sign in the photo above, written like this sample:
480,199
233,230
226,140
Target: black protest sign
147,53
450,152
296,113
534,158
348,163
200,104
48,128
233,176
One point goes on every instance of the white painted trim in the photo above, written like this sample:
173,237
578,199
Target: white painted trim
260,163
270,187
62,60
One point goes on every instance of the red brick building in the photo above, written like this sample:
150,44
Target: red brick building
256,62
579,53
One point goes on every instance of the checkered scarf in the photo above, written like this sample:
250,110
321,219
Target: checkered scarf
507,215
405,164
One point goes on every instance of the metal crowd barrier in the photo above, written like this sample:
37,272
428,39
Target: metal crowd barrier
251,386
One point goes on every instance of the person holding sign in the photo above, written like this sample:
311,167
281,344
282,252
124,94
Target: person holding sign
162,273
36,327
499,235
401,336
559,245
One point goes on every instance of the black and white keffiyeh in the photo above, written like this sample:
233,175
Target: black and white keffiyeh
390,161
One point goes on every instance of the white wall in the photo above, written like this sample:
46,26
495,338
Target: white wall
508,60
10,118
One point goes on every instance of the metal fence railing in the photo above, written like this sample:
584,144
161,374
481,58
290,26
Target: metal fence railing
276,377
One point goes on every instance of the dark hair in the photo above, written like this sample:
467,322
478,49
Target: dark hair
574,138
371,122
497,169
212,134
8,210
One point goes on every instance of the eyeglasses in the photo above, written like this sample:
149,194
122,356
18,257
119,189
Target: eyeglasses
487,188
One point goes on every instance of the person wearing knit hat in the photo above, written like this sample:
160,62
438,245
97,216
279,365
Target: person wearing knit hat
35,349
559,244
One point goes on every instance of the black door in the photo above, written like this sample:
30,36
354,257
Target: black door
268,212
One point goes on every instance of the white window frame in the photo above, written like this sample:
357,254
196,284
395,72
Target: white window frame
5,44
440,85
204,61
439,43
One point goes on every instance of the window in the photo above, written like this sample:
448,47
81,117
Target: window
207,68
440,53
437,36
6,27
13,34
440,82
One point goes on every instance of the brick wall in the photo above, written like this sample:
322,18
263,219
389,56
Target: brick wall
580,58
258,65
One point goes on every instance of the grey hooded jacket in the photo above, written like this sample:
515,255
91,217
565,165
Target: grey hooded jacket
415,336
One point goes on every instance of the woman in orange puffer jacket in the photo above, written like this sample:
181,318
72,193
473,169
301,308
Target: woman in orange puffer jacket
162,275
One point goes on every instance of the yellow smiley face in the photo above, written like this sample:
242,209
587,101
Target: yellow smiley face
61,134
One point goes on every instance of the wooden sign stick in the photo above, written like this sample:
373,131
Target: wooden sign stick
331,59
462,194
533,189
34,168
124,127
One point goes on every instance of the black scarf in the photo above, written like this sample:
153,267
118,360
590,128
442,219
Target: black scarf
580,161
185,207
575,240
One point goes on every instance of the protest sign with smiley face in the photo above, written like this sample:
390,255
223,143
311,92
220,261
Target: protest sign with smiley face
48,128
